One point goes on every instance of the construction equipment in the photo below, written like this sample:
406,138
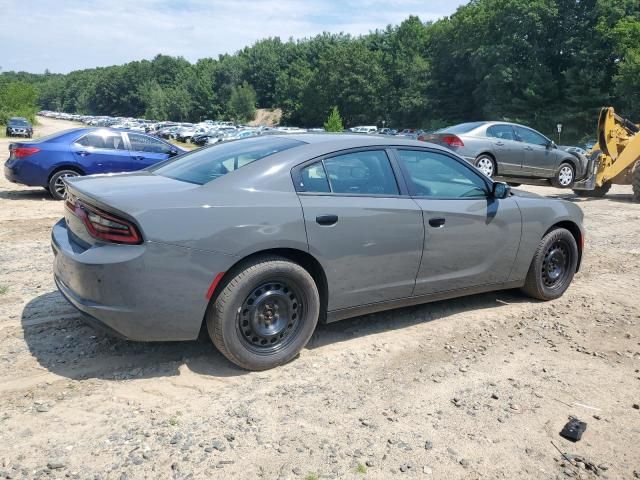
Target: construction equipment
614,159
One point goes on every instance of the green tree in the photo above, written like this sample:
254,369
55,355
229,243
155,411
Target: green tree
334,121
17,99
242,103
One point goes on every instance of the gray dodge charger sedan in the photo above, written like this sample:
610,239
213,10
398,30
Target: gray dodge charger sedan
259,239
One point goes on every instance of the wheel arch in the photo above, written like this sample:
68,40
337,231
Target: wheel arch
575,230
65,166
301,257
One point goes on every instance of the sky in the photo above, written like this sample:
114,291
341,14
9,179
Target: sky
66,35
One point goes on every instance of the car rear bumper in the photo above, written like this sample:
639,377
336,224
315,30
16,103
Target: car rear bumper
148,292
25,172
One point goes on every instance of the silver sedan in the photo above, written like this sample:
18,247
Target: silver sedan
259,239
513,152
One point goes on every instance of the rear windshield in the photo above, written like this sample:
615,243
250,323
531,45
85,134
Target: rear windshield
461,128
206,164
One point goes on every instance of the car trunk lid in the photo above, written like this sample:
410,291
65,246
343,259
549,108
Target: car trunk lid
124,196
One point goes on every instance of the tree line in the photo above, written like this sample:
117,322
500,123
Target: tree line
537,62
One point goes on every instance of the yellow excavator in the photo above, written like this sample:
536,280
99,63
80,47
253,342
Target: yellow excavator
614,159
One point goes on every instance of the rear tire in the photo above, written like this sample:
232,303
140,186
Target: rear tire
56,186
597,192
265,313
553,266
486,165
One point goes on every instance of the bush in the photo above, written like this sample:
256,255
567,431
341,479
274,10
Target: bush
17,99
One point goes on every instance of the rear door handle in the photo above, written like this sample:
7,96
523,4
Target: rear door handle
437,222
138,157
327,219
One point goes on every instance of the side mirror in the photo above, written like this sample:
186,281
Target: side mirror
500,190
551,145
173,152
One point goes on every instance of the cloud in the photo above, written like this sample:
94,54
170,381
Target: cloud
68,35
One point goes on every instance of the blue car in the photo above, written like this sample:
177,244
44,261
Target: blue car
82,151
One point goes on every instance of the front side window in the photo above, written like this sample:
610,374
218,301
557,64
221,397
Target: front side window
103,140
503,132
145,143
206,164
529,136
436,175
367,173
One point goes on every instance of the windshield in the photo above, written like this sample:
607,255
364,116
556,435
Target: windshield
461,128
204,165
18,122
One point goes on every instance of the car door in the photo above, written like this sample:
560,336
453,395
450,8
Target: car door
471,239
508,151
101,151
539,159
367,236
146,150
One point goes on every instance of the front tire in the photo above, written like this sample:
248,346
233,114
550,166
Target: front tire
565,176
486,165
553,266
56,186
265,313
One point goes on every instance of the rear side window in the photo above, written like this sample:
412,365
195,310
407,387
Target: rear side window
145,143
368,172
206,164
504,132
313,178
436,175
103,140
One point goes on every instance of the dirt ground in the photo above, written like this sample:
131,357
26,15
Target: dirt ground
478,387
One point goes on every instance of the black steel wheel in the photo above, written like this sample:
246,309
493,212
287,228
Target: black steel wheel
270,316
264,312
553,266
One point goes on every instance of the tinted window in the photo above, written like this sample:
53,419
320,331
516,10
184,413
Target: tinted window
18,122
145,143
505,132
206,164
529,136
367,172
314,179
461,128
436,175
105,140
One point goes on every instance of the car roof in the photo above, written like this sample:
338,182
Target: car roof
348,140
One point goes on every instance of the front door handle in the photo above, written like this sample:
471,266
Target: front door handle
500,144
138,157
437,222
327,219
82,153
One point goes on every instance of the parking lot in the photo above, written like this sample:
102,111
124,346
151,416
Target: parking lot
477,387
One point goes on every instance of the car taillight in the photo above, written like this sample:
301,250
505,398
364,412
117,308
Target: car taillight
104,226
453,141
21,152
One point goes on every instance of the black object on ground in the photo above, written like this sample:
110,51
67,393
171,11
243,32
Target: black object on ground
573,430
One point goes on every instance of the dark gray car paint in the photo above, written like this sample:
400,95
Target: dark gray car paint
158,290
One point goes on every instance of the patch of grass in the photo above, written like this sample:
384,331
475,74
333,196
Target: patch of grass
311,476
173,421
361,468
3,289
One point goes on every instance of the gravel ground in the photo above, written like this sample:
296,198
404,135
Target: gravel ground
477,387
